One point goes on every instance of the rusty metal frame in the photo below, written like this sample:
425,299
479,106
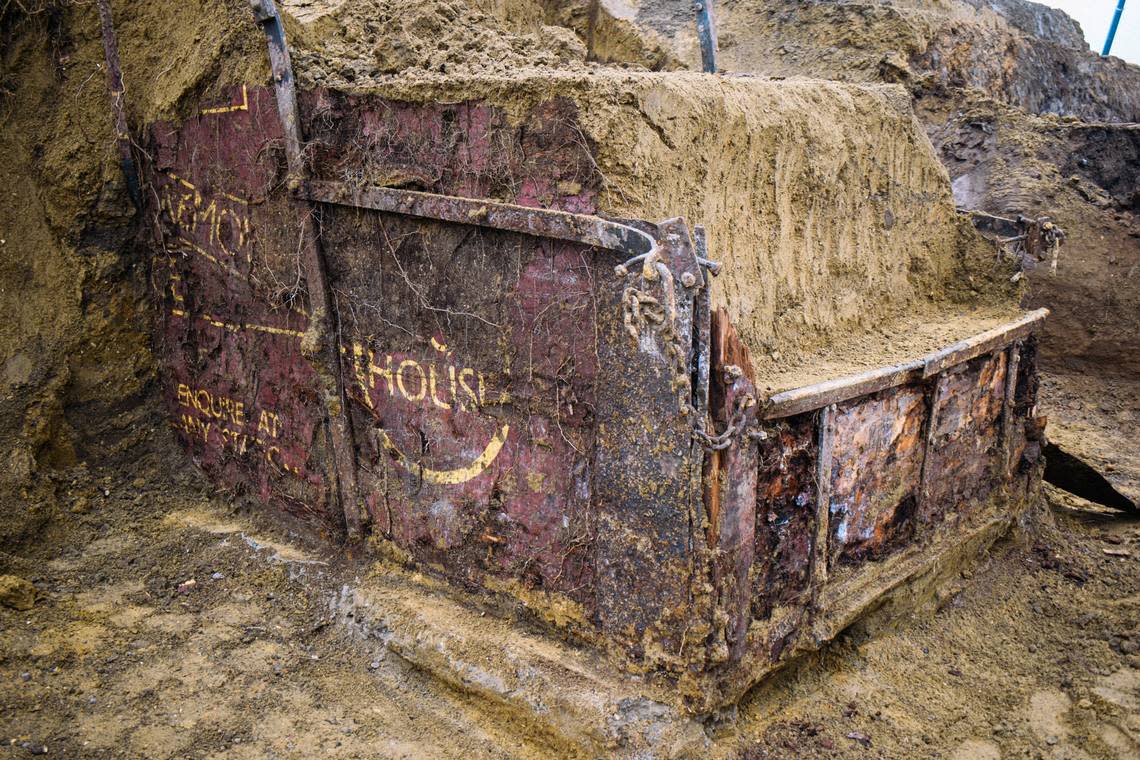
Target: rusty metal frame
321,342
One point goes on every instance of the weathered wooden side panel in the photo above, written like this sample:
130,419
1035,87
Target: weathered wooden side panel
785,520
876,473
233,310
964,458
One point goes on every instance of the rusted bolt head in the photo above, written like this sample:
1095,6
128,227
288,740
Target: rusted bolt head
688,279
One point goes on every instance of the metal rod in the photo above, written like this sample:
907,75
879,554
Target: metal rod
819,554
1012,363
540,222
1112,27
321,340
118,108
706,33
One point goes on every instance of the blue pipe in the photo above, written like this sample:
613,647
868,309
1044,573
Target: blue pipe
1112,28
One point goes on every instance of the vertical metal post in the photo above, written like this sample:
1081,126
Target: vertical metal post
926,472
1112,27
702,329
823,498
1012,364
115,88
321,343
706,33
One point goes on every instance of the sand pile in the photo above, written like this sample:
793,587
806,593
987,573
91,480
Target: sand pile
1025,117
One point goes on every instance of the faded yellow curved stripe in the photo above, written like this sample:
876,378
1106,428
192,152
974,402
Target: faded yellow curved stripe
459,475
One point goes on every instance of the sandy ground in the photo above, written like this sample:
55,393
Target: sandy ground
159,633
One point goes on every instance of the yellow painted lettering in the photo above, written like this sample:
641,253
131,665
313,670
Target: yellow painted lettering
431,385
411,364
454,387
384,372
463,375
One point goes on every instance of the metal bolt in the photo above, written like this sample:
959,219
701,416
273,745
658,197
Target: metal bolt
688,279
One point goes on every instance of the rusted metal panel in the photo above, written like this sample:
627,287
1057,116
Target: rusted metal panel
648,483
473,352
964,455
876,473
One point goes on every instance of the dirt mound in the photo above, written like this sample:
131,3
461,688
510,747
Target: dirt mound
779,173
1026,118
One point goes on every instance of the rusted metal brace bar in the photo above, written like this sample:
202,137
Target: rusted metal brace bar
926,471
118,108
702,331
706,33
823,499
1012,364
540,222
321,342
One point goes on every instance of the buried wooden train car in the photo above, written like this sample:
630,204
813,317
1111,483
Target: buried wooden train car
541,404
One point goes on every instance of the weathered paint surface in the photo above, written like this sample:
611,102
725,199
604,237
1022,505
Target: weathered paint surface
963,458
876,473
785,520
233,311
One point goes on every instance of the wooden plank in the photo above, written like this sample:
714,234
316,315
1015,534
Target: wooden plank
819,395
982,343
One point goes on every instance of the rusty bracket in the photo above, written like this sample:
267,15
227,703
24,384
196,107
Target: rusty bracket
321,342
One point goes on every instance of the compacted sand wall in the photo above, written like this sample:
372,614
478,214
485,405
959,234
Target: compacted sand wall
824,200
